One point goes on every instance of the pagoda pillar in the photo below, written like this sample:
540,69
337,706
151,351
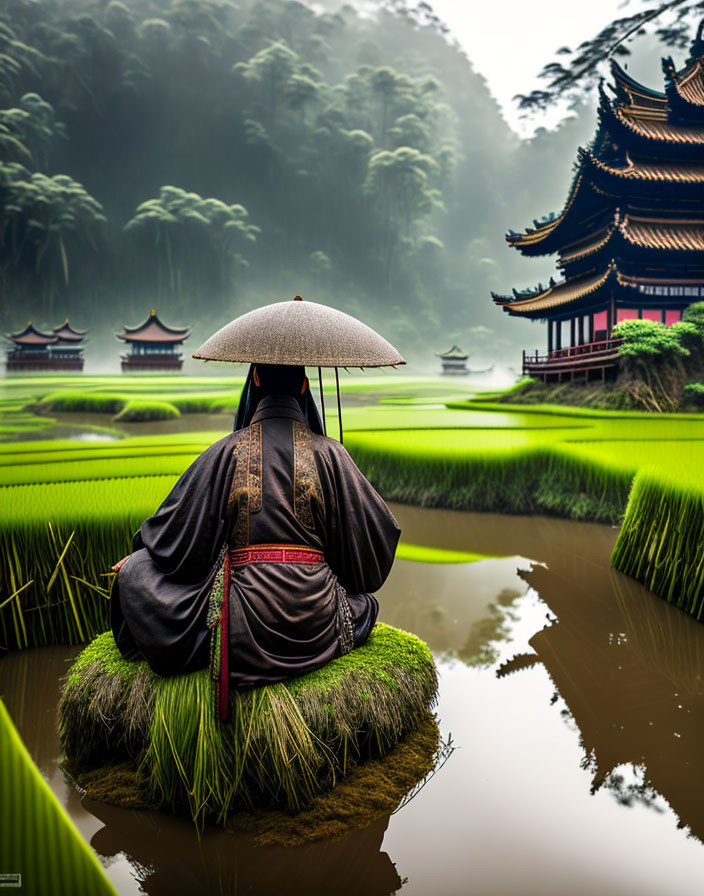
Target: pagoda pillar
591,327
558,335
580,331
572,332
550,341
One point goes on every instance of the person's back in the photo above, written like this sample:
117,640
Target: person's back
308,538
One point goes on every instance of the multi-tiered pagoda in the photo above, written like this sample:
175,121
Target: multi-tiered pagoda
33,350
630,238
153,346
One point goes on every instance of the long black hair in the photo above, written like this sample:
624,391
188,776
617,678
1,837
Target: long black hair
276,379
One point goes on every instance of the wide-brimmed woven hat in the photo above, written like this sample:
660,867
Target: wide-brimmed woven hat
299,332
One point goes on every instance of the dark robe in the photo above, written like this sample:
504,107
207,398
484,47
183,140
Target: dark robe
272,482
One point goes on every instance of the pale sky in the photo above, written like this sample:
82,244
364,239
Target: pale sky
509,41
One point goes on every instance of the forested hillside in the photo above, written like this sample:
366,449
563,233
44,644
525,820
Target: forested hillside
204,157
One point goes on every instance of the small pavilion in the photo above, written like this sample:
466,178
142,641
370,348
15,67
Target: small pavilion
33,350
454,362
68,350
153,346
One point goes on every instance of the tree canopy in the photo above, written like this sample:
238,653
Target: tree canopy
576,70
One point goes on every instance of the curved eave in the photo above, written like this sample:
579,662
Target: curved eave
68,333
638,94
31,336
166,338
153,319
652,134
685,89
548,301
550,237
633,282
663,174
683,237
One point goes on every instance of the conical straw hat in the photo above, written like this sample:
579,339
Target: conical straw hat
299,332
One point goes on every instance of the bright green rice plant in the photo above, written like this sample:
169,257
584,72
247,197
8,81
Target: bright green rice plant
77,401
138,410
661,542
57,544
37,839
205,404
551,479
284,744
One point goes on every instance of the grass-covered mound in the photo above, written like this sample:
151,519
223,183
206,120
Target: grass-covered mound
372,789
286,742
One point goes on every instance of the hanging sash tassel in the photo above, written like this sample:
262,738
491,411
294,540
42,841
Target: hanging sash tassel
224,684
343,622
217,621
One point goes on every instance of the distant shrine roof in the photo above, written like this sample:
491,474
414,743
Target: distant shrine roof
67,333
31,336
454,352
153,330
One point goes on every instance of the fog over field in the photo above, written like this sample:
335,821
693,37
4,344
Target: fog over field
204,158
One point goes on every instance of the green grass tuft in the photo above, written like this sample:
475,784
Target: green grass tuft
661,542
138,410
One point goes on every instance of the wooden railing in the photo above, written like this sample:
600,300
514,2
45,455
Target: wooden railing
573,359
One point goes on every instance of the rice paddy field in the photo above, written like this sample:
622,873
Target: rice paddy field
83,460
68,505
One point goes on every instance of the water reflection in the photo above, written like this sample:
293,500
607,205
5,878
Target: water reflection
167,858
628,666
595,687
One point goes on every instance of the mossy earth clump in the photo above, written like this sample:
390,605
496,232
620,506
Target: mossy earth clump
285,744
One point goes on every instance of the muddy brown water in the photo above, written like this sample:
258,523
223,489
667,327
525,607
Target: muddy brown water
579,765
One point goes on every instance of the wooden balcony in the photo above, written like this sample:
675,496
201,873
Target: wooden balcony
597,358
28,361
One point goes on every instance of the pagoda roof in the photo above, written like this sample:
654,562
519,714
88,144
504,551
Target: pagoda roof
67,333
534,241
610,280
31,336
655,172
686,85
596,176
643,232
633,93
653,126
153,330
563,293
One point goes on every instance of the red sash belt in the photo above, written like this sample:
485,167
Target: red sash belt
275,553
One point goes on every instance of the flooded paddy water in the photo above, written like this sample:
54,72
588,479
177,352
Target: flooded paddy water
575,700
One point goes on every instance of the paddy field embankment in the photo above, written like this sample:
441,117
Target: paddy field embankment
68,507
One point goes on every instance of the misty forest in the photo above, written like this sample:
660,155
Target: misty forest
203,158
